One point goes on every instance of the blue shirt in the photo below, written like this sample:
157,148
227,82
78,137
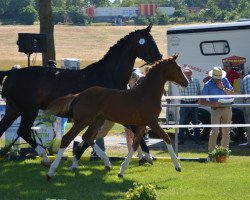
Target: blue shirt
210,88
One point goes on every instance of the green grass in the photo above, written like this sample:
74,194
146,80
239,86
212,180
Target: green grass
26,180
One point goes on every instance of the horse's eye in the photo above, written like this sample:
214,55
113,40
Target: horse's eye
142,41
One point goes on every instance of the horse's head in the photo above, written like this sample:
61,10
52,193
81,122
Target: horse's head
174,72
145,46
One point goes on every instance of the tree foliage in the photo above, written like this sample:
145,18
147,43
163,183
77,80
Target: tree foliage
18,11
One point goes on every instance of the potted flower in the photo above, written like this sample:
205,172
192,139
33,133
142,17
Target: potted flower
141,191
220,154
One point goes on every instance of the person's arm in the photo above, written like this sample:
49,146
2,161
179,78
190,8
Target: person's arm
208,103
205,101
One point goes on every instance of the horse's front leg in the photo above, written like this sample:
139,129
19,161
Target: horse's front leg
136,142
160,132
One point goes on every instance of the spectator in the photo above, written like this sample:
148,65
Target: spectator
51,63
232,75
187,113
245,89
218,85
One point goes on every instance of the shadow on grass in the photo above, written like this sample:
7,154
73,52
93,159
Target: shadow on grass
26,180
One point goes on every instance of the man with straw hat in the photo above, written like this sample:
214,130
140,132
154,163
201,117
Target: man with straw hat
218,85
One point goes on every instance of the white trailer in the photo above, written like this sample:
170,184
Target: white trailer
201,47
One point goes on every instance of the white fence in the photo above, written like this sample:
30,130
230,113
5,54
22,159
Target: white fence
176,126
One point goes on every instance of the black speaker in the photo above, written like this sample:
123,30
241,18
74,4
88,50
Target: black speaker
31,42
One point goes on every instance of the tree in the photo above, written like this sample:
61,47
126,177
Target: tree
28,15
212,11
244,8
47,27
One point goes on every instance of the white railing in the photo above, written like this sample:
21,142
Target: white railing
176,126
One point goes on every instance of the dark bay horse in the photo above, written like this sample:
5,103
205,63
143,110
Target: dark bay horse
140,106
29,89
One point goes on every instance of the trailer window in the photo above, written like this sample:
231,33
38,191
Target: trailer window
217,47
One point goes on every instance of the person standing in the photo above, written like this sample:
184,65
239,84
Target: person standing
187,113
245,89
218,85
232,75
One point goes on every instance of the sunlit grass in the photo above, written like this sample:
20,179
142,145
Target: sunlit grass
26,180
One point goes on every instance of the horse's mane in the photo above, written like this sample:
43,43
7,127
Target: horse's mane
113,49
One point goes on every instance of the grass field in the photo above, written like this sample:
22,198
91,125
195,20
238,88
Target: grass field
203,181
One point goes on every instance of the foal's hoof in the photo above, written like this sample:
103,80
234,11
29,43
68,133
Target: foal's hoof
108,168
48,177
150,161
45,164
178,169
120,176
73,169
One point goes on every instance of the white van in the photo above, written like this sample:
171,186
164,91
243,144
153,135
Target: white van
201,47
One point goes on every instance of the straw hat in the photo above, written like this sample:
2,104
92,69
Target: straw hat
217,73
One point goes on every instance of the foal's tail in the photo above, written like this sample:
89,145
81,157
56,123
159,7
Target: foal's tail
2,75
61,105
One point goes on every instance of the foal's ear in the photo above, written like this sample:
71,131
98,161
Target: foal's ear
148,29
175,56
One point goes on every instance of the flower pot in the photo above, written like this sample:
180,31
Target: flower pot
221,159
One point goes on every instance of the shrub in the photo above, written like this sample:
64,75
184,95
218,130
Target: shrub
58,15
141,191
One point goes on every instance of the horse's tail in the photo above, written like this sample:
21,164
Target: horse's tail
61,105
2,75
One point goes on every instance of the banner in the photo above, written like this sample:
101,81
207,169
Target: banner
47,129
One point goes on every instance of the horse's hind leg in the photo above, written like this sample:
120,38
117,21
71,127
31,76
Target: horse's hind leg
66,139
24,131
88,138
136,142
160,132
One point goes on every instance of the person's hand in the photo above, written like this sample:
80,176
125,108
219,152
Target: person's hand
219,84
215,104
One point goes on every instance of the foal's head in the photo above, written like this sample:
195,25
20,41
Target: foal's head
173,71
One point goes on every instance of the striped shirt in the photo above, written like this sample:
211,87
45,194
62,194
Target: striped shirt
192,89
245,85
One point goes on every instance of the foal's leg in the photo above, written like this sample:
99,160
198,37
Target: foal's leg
88,138
136,142
160,132
66,139
106,127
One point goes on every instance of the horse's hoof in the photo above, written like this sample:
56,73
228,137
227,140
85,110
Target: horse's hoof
178,169
45,164
48,177
150,161
120,176
108,168
73,169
